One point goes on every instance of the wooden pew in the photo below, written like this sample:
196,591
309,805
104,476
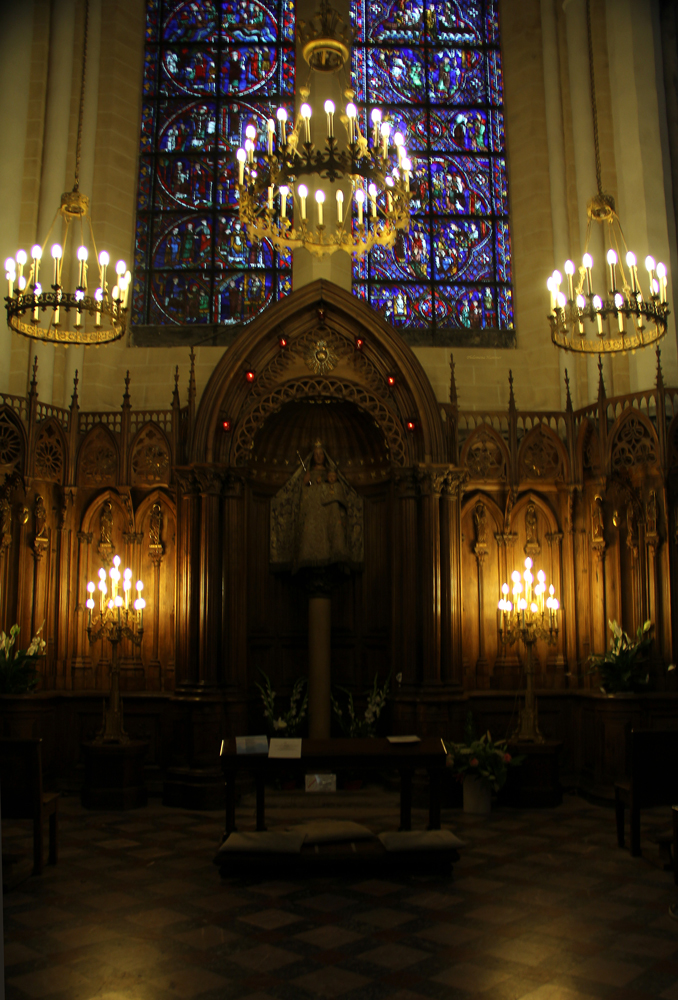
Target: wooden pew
22,797
653,779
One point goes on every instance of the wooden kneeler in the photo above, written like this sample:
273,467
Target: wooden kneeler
22,797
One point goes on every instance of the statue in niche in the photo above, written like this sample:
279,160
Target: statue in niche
651,516
155,525
480,523
597,524
106,523
532,546
40,518
317,518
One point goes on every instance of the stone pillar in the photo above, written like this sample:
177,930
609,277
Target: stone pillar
319,665
584,154
55,151
16,42
641,152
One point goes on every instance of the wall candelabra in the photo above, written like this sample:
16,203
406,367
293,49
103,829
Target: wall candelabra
529,617
119,617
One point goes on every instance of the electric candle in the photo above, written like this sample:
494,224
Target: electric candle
36,254
271,132
284,191
598,305
302,191
306,112
376,122
360,198
587,261
351,113
619,302
241,156
581,305
650,265
281,115
329,111
569,271
661,274
385,133
82,273
56,257
400,146
320,199
340,206
373,199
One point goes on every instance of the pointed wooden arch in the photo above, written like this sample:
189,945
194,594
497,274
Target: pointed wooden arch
98,429
159,492
632,413
40,430
227,393
132,448
108,493
544,431
540,501
488,433
10,415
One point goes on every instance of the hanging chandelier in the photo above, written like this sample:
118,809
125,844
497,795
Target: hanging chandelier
351,196
43,312
622,317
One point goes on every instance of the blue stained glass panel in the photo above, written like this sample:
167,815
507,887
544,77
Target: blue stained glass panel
211,68
183,243
463,250
434,67
193,21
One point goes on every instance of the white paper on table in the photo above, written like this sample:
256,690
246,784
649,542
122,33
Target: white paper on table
251,744
284,748
403,739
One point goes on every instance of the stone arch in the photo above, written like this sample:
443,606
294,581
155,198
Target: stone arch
485,454
12,442
542,456
632,442
150,456
98,458
50,454
331,312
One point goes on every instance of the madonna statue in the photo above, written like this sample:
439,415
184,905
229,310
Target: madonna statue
317,519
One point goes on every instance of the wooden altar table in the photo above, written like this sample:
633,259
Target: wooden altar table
341,755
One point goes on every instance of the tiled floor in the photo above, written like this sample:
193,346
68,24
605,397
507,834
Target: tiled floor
543,905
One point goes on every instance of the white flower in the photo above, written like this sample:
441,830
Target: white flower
279,724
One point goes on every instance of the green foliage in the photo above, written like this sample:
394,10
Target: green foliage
290,723
481,758
622,668
350,724
17,670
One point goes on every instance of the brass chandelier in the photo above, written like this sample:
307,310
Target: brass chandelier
43,312
622,318
348,197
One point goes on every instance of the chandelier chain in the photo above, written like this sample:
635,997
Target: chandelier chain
594,108
81,108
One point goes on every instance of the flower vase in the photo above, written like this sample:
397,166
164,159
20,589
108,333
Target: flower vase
477,796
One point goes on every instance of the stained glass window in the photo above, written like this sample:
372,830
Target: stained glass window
211,68
434,67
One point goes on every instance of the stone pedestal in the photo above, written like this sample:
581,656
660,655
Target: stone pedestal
114,775
536,781
319,661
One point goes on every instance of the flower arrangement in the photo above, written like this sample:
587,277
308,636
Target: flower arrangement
481,758
290,723
17,671
349,722
622,667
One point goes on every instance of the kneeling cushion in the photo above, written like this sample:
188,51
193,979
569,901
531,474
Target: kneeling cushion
265,841
331,831
420,840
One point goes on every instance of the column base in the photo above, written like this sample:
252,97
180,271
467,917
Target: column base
114,775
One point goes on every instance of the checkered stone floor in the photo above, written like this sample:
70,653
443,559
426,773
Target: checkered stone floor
543,905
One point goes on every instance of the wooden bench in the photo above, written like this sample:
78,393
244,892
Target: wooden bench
653,780
22,797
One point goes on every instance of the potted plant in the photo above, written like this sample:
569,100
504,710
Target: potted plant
17,666
482,764
358,726
291,722
623,668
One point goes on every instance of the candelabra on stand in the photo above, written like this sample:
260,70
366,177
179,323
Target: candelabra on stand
531,616
117,619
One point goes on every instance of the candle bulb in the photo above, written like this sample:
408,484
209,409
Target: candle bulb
631,263
598,305
82,274
569,271
661,275
407,166
385,133
270,198
340,206
351,112
250,135
10,274
56,257
360,198
37,292
587,261
581,305
619,303
21,259
612,262
329,111
399,141
320,199
306,112
281,115
271,132
650,265
373,199
284,191
550,284
241,156
302,191
376,123
36,254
